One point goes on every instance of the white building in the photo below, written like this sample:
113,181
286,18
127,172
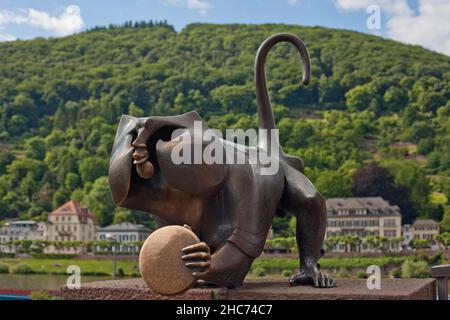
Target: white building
20,230
425,229
124,233
407,234
70,222
362,217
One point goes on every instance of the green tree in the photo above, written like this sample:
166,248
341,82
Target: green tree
334,184
135,111
445,223
72,181
359,97
395,99
92,167
35,148
99,201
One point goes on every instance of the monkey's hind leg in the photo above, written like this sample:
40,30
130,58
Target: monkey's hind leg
302,199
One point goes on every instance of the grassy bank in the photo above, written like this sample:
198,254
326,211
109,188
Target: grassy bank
262,266
328,263
59,266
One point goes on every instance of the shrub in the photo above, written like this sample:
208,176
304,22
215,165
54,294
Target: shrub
42,295
4,268
120,273
259,272
22,268
415,269
435,259
95,273
343,273
53,256
286,273
361,274
289,242
396,273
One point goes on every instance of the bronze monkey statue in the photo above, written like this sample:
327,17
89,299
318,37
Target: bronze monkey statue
229,206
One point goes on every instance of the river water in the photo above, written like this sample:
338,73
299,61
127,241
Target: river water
40,282
43,282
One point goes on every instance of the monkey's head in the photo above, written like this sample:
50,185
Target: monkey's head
143,174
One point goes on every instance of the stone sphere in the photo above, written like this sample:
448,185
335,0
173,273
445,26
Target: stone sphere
160,261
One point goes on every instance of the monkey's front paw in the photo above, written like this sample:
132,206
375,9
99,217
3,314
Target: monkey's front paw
316,279
198,258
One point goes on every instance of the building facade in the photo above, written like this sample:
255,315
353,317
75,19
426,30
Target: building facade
425,229
407,234
363,217
70,222
20,230
126,233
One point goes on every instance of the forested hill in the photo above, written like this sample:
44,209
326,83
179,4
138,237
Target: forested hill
370,100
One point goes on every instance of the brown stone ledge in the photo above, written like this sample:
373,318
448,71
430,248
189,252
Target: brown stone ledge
347,289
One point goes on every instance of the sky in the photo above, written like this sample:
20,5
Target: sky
421,22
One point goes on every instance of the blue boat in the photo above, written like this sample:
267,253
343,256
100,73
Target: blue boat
14,297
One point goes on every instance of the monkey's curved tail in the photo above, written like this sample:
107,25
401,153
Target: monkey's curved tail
265,113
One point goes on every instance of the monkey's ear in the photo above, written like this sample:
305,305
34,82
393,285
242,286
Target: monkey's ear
121,160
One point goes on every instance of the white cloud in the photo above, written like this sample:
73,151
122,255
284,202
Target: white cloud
201,6
7,37
428,27
68,22
197,5
173,2
293,2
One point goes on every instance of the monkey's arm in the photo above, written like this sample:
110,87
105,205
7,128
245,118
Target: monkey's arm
227,267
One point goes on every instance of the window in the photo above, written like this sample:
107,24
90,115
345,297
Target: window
390,233
389,222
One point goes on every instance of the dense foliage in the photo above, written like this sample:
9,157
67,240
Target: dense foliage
370,101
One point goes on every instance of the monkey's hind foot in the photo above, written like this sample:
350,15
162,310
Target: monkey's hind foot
316,279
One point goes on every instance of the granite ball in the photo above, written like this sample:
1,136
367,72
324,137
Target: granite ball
160,262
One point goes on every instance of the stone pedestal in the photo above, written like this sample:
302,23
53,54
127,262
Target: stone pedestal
347,289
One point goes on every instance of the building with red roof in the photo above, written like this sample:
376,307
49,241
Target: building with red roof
70,222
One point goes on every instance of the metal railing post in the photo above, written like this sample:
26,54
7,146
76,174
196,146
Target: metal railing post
441,273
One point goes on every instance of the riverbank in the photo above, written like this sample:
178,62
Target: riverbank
274,266
59,266
26,283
